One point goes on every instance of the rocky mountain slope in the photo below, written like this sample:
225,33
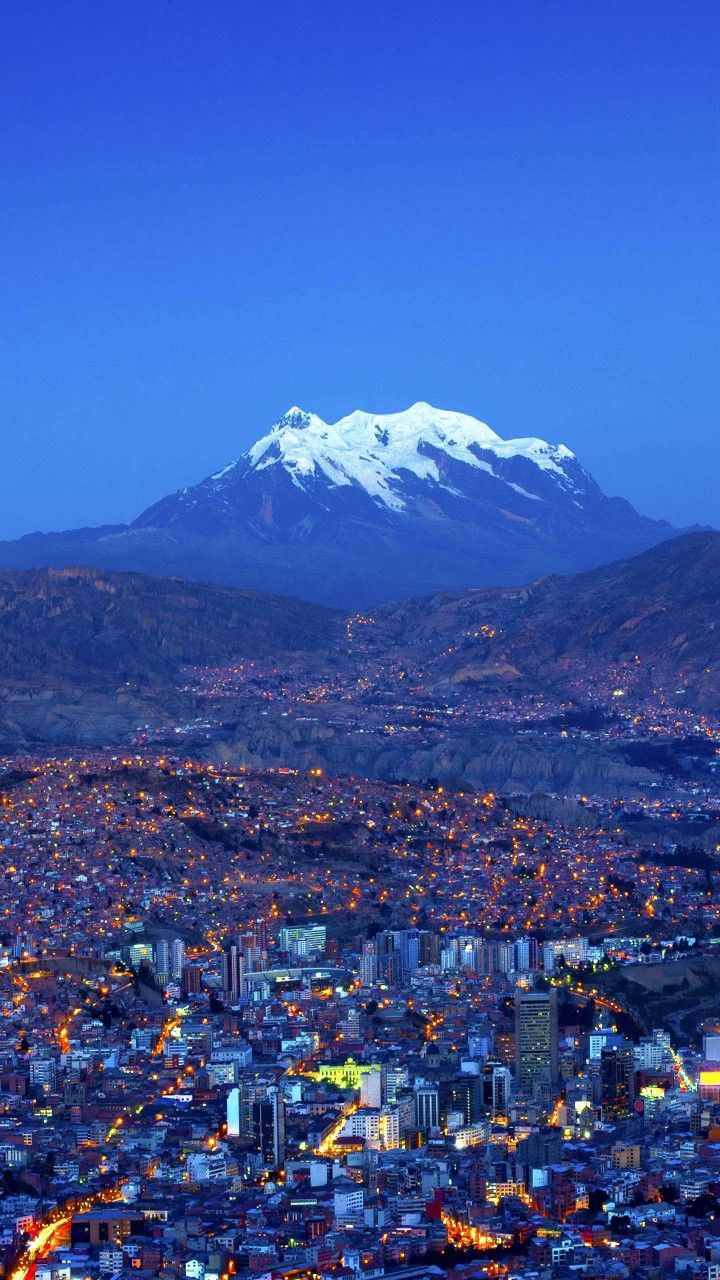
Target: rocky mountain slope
638,625
90,658
86,656
373,508
85,624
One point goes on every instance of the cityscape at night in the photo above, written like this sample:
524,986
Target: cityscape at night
360,640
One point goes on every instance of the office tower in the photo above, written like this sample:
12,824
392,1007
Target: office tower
389,966
332,950
253,957
43,1074
497,1087
177,957
351,1025
617,1080
536,1038
601,1038
233,971
427,1106
268,1127
493,957
140,953
404,946
654,1053
429,947
232,1113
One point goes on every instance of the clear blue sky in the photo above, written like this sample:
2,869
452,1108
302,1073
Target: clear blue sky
213,210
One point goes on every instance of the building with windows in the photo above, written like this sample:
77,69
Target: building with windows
536,1038
233,972
617,1081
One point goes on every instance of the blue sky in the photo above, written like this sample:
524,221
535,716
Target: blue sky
213,211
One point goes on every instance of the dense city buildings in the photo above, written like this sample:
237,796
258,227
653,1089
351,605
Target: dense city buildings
359,766
277,1023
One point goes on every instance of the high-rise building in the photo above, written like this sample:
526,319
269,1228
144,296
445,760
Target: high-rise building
527,955
601,1038
233,972
177,957
407,945
497,1086
395,1080
260,934
480,1040
390,968
617,1080
191,979
43,1073
371,1088
398,952
233,1113
461,1093
368,965
251,952
162,958
429,947
654,1053
427,1106
495,957
536,1038
267,1118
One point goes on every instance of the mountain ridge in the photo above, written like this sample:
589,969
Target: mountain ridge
91,658
373,508
653,617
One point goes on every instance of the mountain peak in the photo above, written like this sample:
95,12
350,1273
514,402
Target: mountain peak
387,455
295,417
373,507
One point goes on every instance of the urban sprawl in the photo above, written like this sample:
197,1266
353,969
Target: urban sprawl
272,1023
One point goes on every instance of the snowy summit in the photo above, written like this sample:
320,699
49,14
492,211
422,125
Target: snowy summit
380,506
379,453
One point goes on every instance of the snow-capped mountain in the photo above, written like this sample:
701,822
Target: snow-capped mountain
421,460
378,452
371,508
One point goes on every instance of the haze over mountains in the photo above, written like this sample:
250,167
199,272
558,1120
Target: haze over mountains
370,509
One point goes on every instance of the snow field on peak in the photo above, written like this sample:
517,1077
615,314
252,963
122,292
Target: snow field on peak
373,451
